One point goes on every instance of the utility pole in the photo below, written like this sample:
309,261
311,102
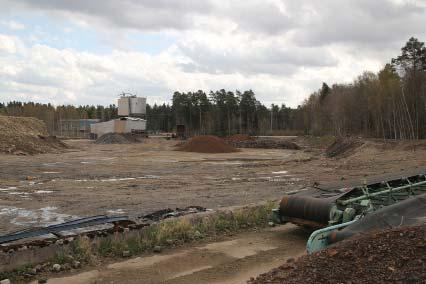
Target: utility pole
272,110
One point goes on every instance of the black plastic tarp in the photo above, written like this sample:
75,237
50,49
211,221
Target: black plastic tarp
409,212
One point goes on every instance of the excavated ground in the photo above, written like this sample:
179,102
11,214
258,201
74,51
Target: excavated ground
92,179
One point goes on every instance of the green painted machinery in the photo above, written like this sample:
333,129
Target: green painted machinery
331,208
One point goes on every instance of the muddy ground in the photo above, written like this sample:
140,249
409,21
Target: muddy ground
233,259
134,179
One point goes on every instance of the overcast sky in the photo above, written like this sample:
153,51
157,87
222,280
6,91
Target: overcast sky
87,52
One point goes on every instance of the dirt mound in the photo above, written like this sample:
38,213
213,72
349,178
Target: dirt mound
239,137
390,256
26,135
118,138
266,144
206,144
343,147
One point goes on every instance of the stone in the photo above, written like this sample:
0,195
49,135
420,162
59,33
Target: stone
66,266
5,281
158,249
59,242
126,253
56,267
76,264
271,224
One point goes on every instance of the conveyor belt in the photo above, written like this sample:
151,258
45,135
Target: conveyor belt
53,229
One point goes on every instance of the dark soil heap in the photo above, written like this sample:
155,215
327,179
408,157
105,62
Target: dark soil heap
26,135
266,144
390,256
206,144
239,137
118,138
343,147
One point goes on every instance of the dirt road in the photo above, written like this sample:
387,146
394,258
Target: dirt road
232,260
134,179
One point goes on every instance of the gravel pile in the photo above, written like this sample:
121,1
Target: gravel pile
118,138
265,144
206,144
390,256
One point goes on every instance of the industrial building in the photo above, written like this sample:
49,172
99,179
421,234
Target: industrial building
132,112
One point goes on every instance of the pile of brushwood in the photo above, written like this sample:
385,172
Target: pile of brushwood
388,256
343,147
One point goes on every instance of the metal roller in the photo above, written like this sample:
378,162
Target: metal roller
306,210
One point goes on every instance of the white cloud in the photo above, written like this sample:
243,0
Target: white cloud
281,49
12,25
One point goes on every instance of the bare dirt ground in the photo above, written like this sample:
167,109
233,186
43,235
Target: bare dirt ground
231,260
134,179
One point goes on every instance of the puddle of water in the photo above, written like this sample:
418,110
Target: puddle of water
18,193
56,164
280,172
44,216
116,211
118,179
149,177
43,191
51,172
224,163
235,178
122,179
8,188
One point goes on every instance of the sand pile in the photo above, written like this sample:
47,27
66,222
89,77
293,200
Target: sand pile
118,138
390,256
343,147
206,144
26,135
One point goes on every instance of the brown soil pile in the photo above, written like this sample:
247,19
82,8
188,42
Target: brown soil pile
26,135
206,144
343,147
239,137
390,256
118,138
266,144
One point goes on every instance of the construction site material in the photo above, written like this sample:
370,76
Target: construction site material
340,207
389,256
26,135
264,144
239,138
118,138
206,144
55,229
343,147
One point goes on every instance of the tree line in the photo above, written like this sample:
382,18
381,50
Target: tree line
390,104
